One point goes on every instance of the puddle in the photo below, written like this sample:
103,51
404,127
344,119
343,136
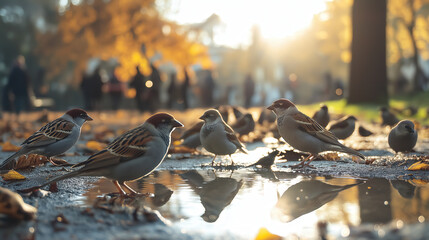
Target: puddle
239,204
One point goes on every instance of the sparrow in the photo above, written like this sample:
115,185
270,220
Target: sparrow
218,137
364,132
344,127
54,138
387,117
191,137
131,156
403,137
266,161
304,134
244,125
322,116
305,197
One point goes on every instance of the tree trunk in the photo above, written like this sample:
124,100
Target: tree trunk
419,79
368,74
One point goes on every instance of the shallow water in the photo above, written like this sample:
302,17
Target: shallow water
238,204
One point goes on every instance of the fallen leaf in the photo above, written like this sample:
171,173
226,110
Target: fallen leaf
422,165
418,182
331,156
31,160
53,187
9,147
12,175
12,205
264,234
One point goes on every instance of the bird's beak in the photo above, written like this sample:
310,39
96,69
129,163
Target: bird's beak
88,118
202,117
176,123
271,107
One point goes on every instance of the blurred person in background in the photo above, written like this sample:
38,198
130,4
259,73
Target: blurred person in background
172,91
249,90
137,82
19,85
115,89
152,91
184,89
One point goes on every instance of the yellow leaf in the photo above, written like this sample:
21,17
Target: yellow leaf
419,166
264,234
12,175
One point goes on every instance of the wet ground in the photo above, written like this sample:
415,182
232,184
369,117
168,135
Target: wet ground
192,200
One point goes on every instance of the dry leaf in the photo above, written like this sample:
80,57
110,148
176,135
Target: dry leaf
9,147
12,175
264,234
32,160
94,145
419,166
12,205
331,156
418,182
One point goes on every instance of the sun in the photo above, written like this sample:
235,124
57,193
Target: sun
276,19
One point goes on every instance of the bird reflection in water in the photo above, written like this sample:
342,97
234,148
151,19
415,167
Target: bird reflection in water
215,195
305,197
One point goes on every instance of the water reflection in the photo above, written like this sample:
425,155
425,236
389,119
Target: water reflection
246,200
215,195
305,197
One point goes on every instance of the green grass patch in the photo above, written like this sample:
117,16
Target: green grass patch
371,112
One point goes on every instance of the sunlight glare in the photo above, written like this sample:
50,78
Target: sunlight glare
277,19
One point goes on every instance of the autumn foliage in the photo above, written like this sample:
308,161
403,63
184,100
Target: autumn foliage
120,29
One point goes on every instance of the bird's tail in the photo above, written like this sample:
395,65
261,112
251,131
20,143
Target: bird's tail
55,179
10,162
348,150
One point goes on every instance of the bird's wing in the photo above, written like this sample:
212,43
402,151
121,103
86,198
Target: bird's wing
230,134
239,123
52,132
308,125
193,130
339,124
128,146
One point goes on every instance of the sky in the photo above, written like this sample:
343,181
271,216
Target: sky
277,19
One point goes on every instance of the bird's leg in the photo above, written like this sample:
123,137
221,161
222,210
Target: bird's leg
118,186
232,161
302,163
307,164
213,160
133,192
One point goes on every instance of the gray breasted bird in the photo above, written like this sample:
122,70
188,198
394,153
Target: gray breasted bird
344,127
131,156
322,116
54,138
403,137
304,134
388,118
218,137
